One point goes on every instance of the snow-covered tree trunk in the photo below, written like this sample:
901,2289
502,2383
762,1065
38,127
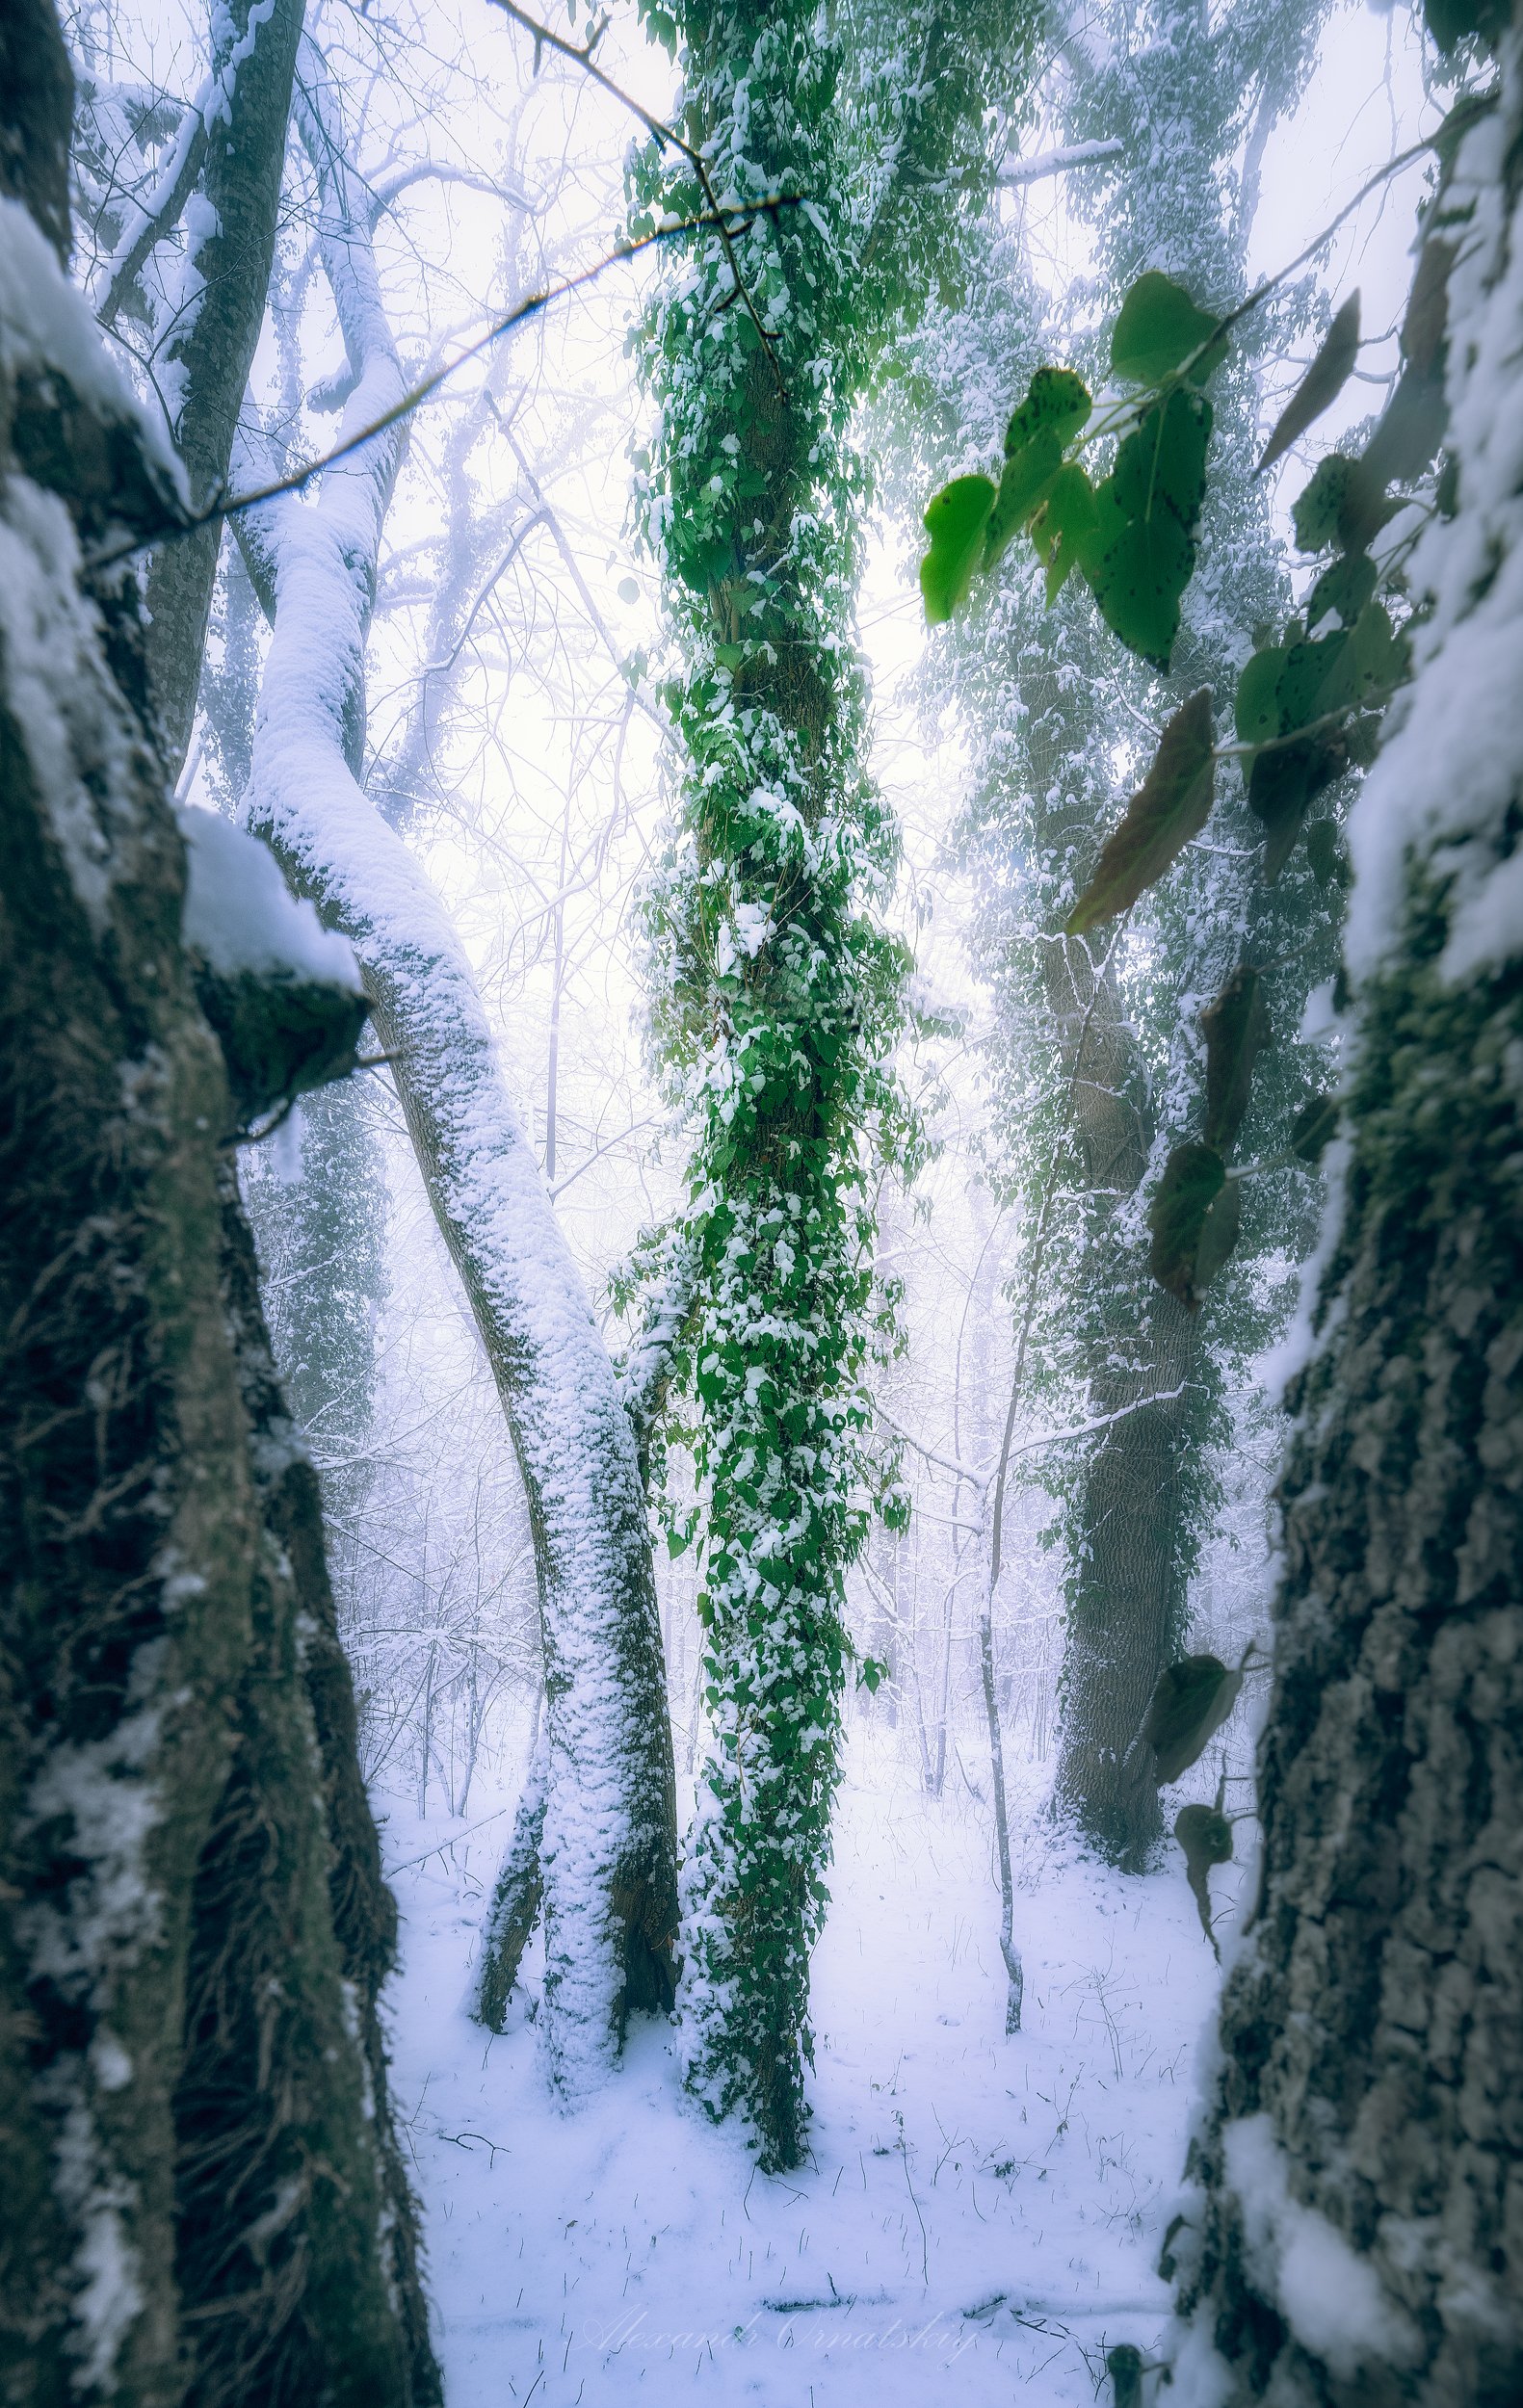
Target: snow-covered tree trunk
203,2196
236,131
1352,2230
608,1848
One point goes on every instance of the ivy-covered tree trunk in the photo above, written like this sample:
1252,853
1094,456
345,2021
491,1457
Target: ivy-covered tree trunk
1351,2229
779,995
204,2200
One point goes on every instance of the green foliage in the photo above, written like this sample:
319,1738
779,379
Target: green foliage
1320,387
1313,1125
1161,329
1236,1029
1305,708
1172,804
1133,534
777,994
1188,1706
1205,1835
1454,21
956,521
1181,1257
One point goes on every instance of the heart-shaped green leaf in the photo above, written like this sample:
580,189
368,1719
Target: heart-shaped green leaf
1172,804
955,522
1158,327
1193,1177
1190,1701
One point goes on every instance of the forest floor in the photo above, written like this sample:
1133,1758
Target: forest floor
981,2215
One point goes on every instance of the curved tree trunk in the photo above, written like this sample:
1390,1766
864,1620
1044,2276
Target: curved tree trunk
1353,2229
204,2200
609,1852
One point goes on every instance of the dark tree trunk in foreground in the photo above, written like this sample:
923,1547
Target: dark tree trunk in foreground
1354,2231
203,2197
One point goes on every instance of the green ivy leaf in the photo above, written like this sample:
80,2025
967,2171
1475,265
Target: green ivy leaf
1141,554
1282,786
1344,589
1193,1177
1190,1701
1379,658
1065,524
1218,1234
1172,804
1139,584
1452,21
1321,386
1162,465
1326,854
1236,1028
1315,679
1345,504
1158,327
1255,708
955,522
1205,1835
1314,1124
1024,484
1057,403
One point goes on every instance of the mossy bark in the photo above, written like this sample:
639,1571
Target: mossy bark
1353,2229
203,2198
1373,2014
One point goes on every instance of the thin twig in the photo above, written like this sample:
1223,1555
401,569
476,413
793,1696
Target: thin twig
228,506
582,58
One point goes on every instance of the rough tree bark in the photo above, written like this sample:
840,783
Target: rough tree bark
1126,1602
241,160
1354,2229
204,2200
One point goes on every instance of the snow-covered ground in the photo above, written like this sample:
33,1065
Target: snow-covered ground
981,2216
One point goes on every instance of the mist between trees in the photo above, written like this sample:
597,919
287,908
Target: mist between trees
762,798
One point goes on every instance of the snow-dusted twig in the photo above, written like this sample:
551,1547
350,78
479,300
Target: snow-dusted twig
297,479
581,56
1019,171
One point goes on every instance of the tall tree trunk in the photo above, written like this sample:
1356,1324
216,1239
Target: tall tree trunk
1351,2233
608,1845
246,112
204,2200
1126,1593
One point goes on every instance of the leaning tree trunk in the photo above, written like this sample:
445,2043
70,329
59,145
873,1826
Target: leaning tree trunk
607,1840
1353,2231
204,2200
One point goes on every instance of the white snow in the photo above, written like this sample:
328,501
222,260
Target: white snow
1331,2298
45,320
241,914
977,2208
1445,787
